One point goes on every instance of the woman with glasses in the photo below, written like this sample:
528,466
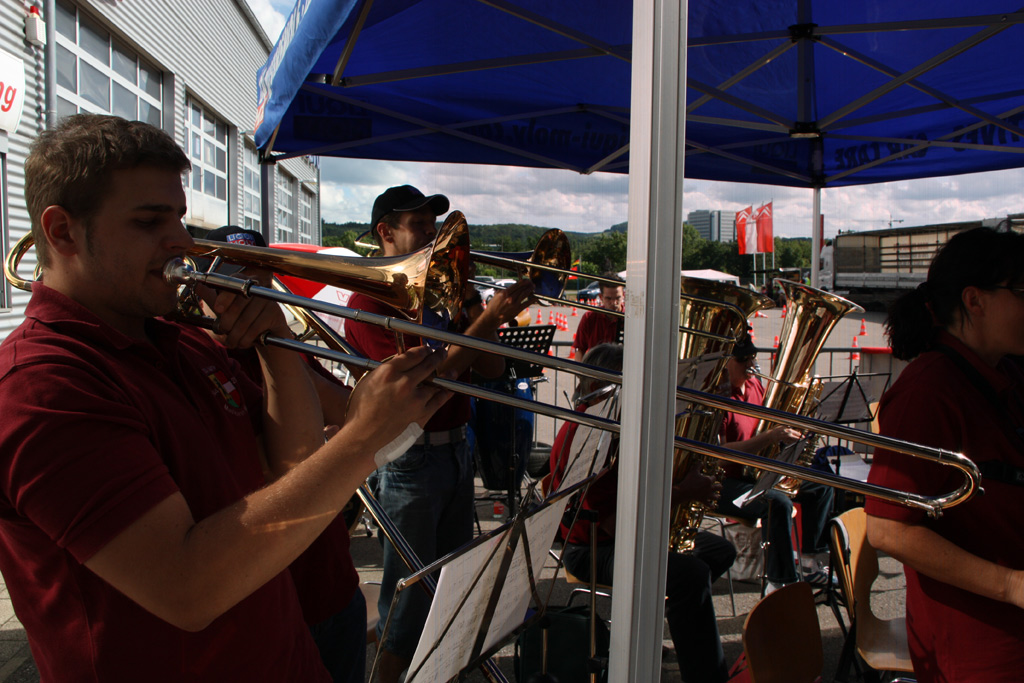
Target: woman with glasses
963,391
773,508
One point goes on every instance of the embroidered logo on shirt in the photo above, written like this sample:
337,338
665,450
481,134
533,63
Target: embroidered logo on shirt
227,389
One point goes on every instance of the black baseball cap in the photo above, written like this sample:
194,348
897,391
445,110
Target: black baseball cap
405,198
233,235
744,347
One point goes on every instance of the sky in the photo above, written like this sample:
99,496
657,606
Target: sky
562,199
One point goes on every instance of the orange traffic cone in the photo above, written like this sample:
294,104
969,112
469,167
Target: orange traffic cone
574,311
753,337
539,321
783,312
863,328
572,348
775,344
856,354
563,322
551,318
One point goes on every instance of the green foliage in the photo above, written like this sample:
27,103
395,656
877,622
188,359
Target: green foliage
603,251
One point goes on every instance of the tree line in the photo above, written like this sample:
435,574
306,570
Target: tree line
600,252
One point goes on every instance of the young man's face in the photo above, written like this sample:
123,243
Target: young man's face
414,231
118,272
738,370
613,299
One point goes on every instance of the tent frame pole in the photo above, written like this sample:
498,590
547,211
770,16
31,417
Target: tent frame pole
654,255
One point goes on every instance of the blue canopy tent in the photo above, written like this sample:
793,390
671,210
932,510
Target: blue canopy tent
806,93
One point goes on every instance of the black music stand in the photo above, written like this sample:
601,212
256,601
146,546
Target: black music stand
537,339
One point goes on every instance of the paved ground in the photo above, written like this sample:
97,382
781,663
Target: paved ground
16,665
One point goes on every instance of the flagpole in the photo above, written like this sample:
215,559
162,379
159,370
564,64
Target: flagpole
816,240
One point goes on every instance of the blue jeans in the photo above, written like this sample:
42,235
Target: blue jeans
775,510
341,639
428,494
689,608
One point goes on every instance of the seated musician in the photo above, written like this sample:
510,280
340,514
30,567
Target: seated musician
773,508
688,607
962,391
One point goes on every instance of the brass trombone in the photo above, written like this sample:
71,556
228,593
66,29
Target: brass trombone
179,272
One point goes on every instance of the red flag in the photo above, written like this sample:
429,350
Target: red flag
746,233
765,239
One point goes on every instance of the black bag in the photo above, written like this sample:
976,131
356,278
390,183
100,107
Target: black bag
568,646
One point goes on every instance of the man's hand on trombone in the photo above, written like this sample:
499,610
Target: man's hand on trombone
396,394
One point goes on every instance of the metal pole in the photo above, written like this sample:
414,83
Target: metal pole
657,134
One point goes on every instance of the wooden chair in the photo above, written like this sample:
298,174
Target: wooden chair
881,643
782,639
371,591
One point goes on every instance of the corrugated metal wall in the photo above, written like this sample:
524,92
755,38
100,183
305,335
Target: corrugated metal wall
208,49
12,41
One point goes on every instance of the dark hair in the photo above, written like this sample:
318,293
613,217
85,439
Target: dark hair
70,165
981,258
607,356
614,277
392,219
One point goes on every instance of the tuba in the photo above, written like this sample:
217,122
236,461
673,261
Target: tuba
712,316
811,315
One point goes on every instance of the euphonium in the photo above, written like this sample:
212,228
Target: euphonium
811,315
712,316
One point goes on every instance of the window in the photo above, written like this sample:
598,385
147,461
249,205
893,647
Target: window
285,231
98,73
208,152
252,211
306,200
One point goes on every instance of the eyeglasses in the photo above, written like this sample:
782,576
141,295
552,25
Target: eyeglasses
1017,291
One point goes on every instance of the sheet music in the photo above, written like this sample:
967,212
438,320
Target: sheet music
453,654
590,446
768,479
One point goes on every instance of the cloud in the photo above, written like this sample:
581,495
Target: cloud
271,14
566,200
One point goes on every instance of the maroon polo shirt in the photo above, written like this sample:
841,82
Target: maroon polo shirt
602,495
955,635
736,427
376,343
325,576
596,328
97,429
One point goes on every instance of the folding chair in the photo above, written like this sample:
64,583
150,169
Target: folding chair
782,638
880,643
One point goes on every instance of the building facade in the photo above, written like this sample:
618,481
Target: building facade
714,225
187,67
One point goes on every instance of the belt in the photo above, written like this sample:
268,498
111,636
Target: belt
442,437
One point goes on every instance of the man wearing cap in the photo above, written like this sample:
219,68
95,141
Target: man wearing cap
773,508
598,328
428,491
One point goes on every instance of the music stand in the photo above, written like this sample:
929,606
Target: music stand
847,399
484,589
536,338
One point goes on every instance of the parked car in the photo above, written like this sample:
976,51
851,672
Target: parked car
591,295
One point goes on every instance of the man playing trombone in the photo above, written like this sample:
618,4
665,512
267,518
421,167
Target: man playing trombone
428,491
140,538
